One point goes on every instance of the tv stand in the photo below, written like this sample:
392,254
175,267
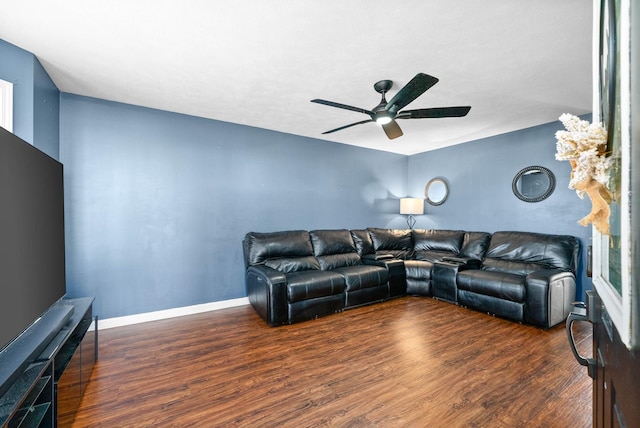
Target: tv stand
54,370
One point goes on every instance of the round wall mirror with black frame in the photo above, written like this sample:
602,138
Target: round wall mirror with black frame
436,191
533,184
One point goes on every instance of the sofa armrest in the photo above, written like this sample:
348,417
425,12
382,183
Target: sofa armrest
549,296
376,256
464,261
397,273
267,293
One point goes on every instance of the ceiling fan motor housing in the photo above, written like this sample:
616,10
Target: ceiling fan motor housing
383,86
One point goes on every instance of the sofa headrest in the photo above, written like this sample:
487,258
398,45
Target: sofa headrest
438,240
363,241
391,239
551,251
475,245
259,247
397,242
327,242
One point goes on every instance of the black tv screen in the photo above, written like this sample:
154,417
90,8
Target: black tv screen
32,253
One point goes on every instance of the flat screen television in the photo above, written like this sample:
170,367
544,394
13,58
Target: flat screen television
32,248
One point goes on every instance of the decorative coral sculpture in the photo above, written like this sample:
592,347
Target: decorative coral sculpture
584,145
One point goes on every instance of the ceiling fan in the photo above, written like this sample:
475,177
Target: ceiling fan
386,113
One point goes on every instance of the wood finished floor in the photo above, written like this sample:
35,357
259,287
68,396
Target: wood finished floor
409,362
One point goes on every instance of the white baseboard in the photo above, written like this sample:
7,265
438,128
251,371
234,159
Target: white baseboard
169,313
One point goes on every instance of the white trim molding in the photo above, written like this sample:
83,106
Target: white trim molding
169,313
6,105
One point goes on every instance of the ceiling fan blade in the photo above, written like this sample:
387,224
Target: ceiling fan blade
348,126
412,90
392,129
425,113
343,106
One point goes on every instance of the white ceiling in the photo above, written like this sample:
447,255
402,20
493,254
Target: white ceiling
518,63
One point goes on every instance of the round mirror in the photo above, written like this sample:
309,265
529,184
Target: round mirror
533,184
436,191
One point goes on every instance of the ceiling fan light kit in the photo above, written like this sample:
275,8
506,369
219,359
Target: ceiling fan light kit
386,113
383,119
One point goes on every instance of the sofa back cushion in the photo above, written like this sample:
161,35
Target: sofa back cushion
397,242
524,252
475,245
433,245
363,241
287,251
438,240
334,248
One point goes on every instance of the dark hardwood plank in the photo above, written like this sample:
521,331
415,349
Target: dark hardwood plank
409,362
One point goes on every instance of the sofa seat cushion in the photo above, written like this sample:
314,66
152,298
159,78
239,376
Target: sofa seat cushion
504,285
310,284
418,269
510,266
363,276
334,261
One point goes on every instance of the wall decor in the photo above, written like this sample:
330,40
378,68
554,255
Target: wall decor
533,184
584,145
436,191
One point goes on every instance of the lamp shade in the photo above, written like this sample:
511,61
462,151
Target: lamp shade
411,206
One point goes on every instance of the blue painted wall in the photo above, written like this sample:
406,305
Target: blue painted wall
480,174
46,112
157,203
16,66
36,99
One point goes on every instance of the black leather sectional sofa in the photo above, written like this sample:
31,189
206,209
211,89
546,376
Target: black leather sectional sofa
298,275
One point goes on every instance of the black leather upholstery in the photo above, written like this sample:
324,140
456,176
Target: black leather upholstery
475,245
307,285
504,285
446,272
334,249
534,270
260,247
449,241
329,242
418,277
298,275
492,305
293,264
550,251
363,276
267,293
550,294
399,243
309,309
432,246
363,242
